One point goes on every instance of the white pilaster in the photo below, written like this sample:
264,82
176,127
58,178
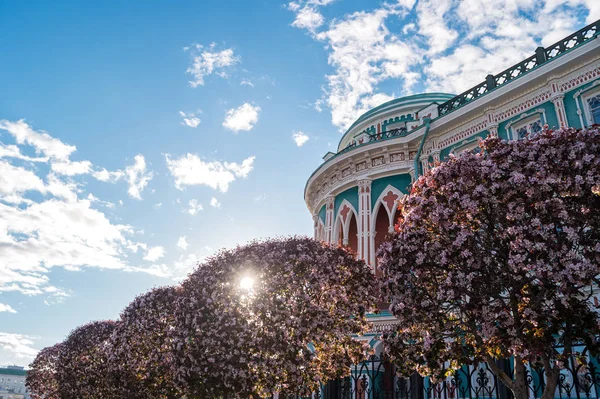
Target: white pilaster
364,222
559,107
329,202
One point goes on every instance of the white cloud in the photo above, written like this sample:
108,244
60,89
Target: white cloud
182,243
191,170
137,177
6,308
363,54
69,168
241,118
154,253
43,143
436,45
47,220
209,60
190,119
194,207
16,348
432,20
246,82
157,206
215,203
300,138
308,18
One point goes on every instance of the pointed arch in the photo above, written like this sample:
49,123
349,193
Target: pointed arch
346,224
320,230
382,218
389,199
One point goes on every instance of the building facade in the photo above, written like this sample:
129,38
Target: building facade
12,383
353,195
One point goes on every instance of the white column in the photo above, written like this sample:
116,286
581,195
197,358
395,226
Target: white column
316,226
424,163
329,201
559,107
364,222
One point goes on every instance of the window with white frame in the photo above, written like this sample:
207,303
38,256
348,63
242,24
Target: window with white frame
593,107
529,126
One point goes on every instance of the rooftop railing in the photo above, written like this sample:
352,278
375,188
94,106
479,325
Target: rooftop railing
541,56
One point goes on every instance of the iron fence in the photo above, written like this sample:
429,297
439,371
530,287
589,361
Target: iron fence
540,57
376,378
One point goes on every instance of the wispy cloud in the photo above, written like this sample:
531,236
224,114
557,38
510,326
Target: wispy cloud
190,119
444,45
194,207
6,308
48,220
209,60
182,243
242,118
215,203
154,253
17,348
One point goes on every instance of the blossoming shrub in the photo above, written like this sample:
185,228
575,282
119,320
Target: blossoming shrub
139,349
495,256
271,316
41,377
82,369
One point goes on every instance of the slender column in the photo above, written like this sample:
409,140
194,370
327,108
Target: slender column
364,215
559,107
329,201
425,164
316,226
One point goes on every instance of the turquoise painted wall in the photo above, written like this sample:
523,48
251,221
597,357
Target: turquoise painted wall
351,195
323,214
446,151
548,108
401,182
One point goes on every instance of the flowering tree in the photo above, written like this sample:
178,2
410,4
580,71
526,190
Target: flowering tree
82,370
140,355
272,316
41,376
495,256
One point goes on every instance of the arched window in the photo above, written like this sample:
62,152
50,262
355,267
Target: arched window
594,108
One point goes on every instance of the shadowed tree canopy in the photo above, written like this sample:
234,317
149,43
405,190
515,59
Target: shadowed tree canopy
496,255
271,316
82,371
41,376
140,352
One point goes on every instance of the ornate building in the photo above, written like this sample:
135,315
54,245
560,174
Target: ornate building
353,195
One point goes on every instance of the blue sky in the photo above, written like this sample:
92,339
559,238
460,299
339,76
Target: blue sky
138,138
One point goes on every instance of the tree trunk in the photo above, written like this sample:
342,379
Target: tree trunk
552,376
520,389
